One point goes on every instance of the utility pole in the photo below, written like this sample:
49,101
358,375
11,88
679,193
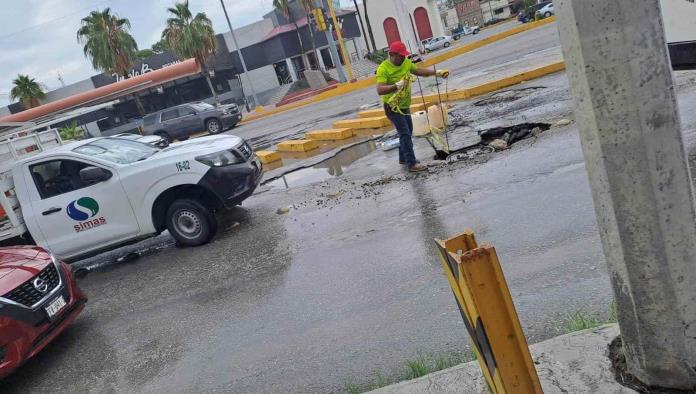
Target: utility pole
340,39
332,49
241,58
626,109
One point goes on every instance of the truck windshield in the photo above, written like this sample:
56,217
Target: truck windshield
117,150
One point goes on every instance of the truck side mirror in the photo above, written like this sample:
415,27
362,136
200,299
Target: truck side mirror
94,175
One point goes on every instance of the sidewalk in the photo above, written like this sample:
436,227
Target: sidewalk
572,363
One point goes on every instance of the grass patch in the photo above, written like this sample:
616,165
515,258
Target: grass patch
580,320
416,368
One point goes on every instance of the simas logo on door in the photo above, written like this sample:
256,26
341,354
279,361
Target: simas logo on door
85,210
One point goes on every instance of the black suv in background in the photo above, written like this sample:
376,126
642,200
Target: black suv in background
182,121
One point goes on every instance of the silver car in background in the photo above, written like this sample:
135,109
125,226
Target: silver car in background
436,43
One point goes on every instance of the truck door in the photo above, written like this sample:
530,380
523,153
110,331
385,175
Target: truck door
75,216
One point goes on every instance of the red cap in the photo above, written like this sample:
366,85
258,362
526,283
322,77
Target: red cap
399,48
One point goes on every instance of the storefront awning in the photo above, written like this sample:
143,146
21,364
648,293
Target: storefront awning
109,92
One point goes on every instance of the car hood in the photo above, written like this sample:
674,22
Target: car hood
19,264
199,146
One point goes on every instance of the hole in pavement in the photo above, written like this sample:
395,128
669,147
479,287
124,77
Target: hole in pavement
506,96
512,134
327,169
336,166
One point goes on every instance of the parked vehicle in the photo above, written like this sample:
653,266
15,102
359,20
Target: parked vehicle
436,43
415,58
85,197
39,298
182,121
464,31
545,11
153,140
528,14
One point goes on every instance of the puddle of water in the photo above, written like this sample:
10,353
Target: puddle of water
330,168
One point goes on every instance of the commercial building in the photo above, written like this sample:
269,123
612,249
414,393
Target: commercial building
469,13
275,55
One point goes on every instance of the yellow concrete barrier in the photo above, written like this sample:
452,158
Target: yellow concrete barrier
297,146
267,156
329,135
515,79
485,41
362,123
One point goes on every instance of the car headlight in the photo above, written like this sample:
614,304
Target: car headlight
219,159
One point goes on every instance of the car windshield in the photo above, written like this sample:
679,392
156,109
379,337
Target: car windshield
202,106
117,150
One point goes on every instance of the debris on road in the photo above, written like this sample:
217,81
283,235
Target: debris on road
499,144
283,210
563,122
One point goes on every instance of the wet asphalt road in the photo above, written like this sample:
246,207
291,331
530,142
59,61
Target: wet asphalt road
346,284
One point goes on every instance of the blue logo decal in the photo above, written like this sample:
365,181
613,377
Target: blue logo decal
83,209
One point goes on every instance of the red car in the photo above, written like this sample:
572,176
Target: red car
38,299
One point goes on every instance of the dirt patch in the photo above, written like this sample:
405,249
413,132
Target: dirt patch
618,362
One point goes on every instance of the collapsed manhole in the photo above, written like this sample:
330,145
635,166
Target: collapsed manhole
507,96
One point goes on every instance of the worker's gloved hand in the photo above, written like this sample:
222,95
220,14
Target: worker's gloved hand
400,85
442,73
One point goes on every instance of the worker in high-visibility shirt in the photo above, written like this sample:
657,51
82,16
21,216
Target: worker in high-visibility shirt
394,85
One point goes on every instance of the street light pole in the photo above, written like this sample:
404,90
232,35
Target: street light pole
241,57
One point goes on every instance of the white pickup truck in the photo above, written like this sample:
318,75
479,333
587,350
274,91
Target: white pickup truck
81,198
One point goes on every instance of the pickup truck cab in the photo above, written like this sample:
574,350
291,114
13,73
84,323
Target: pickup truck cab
85,197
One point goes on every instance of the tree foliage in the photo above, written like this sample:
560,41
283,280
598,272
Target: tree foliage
27,91
107,42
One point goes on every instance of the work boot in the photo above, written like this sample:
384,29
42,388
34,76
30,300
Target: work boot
403,163
418,167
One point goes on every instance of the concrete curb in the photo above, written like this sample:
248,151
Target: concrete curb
571,363
349,87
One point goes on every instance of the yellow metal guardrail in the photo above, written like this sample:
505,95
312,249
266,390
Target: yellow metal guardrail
485,304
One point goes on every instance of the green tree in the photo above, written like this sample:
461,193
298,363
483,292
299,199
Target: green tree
160,46
190,36
283,7
27,91
109,45
144,53
71,132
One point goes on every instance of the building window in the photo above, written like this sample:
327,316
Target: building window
499,11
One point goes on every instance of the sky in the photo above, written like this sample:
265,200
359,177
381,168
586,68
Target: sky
38,37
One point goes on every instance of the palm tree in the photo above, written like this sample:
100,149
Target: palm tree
307,5
109,45
369,26
27,90
283,6
190,36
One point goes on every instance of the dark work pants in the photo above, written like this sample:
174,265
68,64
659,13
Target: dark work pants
404,126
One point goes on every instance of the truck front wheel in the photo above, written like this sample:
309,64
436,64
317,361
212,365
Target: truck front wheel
190,222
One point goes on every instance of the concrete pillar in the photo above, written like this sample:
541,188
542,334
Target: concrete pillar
626,109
